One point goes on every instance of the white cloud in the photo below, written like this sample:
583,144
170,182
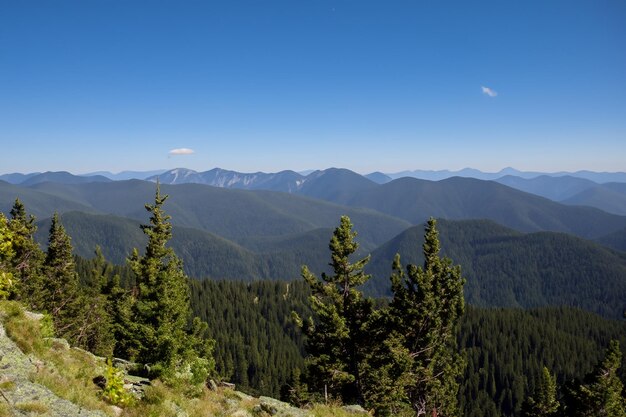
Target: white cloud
181,151
488,91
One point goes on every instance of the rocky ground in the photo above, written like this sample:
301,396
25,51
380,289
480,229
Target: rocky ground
21,396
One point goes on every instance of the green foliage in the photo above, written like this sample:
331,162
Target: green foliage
505,268
113,391
154,318
543,403
507,349
257,345
337,340
602,393
6,257
60,293
425,313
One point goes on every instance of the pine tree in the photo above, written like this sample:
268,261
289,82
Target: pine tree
337,342
425,312
7,255
96,330
544,402
60,295
28,260
602,395
161,332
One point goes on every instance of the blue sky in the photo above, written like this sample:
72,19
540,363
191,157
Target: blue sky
271,85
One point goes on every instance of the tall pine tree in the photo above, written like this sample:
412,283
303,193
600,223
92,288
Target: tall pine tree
28,260
60,295
161,331
337,342
543,403
602,393
425,313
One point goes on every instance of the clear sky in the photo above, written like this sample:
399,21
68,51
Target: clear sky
298,84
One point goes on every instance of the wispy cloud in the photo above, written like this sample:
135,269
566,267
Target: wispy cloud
181,151
488,91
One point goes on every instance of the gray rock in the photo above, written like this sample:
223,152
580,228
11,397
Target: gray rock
211,385
33,316
240,413
274,407
136,385
17,367
124,364
355,409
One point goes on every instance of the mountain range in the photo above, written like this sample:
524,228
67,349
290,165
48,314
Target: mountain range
606,191
518,248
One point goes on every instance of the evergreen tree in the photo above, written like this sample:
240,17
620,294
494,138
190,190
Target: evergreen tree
28,260
160,332
6,258
337,342
425,312
60,295
544,402
96,331
602,394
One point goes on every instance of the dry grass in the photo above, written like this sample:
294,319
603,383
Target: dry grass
7,385
32,407
5,411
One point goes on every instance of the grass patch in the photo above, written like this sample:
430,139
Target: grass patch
32,407
24,332
69,375
7,385
5,411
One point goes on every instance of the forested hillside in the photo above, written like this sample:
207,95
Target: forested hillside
505,348
505,268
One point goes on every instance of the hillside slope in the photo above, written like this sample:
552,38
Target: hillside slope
505,268
232,214
465,198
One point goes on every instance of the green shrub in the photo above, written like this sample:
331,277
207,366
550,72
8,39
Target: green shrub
114,392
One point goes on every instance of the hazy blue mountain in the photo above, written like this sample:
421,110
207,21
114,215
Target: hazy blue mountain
16,177
459,198
619,187
601,177
598,177
505,268
378,177
127,175
438,175
62,177
554,188
605,198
